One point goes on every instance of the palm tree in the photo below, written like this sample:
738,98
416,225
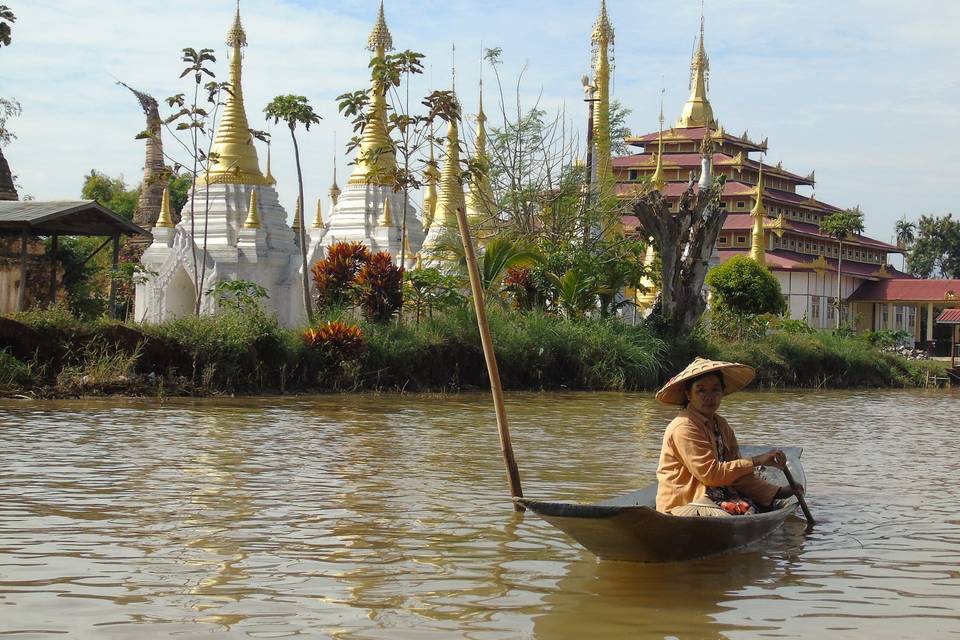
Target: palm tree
296,110
906,234
841,225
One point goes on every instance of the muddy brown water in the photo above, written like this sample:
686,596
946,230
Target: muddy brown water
386,517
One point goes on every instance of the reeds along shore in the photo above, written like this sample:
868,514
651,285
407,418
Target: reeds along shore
51,354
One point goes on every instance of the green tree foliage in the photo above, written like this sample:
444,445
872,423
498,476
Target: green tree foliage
619,131
241,296
841,225
936,249
6,25
746,287
112,193
8,109
429,289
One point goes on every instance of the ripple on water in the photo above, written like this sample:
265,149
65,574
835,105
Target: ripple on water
385,517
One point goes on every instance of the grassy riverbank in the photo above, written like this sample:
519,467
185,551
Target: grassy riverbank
53,354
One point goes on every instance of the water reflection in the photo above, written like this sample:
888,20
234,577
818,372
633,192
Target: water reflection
387,517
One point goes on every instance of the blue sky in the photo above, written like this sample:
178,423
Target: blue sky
865,92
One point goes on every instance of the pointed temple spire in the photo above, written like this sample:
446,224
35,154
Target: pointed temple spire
602,40
432,175
296,218
165,220
376,157
253,213
236,155
335,188
386,218
658,180
480,194
318,219
450,197
697,112
270,179
759,214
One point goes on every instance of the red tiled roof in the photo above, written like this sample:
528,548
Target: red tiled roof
742,221
949,316
645,160
783,260
912,289
693,133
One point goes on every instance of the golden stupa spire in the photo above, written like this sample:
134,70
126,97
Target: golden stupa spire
406,244
480,195
759,213
165,219
253,213
697,112
386,218
236,157
318,219
296,217
602,40
432,176
375,156
335,188
270,179
450,197
658,180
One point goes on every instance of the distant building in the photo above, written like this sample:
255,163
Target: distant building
772,220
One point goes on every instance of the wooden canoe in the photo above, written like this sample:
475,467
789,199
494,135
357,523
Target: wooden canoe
630,528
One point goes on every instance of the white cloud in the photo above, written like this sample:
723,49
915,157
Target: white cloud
863,91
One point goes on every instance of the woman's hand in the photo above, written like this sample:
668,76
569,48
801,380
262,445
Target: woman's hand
775,458
786,492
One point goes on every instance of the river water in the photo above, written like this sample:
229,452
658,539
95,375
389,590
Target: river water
388,517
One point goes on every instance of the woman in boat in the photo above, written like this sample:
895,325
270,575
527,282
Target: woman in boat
701,471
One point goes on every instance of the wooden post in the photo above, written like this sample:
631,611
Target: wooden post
54,241
113,281
22,292
506,447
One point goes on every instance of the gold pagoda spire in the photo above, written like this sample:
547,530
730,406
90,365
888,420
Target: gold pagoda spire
270,179
697,112
432,175
658,180
375,156
318,219
236,157
450,197
602,39
335,188
296,216
480,195
165,219
386,218
759,214
253,213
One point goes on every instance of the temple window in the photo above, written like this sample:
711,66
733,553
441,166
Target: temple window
633,174
723,205
741,204
741,239
722,240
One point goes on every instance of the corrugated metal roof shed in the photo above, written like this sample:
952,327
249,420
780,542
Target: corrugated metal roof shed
66,218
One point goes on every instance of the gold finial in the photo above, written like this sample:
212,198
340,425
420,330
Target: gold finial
380,39
386,218
602,40
759,213
253,213
658,180
296,216
406,244
318,220
697,112
270,179
236,156
602,29
480,195
335,188
376,157
236,36
450,197
165,219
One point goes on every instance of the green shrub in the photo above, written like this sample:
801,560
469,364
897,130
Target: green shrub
746,287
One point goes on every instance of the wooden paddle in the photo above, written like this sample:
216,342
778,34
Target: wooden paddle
476,288
796,490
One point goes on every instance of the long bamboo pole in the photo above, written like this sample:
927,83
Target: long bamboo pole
476,288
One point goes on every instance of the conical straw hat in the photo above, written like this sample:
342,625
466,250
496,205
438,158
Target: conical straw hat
735,377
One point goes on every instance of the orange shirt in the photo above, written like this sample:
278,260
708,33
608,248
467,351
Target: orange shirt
689,463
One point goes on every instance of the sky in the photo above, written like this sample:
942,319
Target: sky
865,92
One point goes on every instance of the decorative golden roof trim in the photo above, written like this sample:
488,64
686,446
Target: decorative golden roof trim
380,37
